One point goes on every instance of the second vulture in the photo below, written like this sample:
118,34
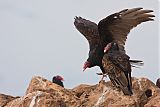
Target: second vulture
118,68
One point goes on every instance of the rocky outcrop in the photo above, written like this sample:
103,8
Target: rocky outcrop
4,99
105,95
153,101
44,93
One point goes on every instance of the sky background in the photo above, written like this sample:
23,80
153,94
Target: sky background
38,38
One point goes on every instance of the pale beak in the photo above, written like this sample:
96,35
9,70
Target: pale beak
86,65
107,47
62,79
84,69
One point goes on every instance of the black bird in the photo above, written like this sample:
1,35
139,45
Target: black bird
113,28
58,80
117,66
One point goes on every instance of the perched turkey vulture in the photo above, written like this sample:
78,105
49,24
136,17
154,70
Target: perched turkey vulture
117,66
113,28
58,80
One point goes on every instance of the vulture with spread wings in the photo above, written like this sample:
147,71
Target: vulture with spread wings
113,28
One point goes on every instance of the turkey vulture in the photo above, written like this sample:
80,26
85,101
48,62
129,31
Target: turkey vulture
117,66
113,28
58,80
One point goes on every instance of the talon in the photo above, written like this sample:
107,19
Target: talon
99,73
103,75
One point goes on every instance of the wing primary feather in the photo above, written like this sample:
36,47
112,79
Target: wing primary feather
132,10
143,12
123,11
118,25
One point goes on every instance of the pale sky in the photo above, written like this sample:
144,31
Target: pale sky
38,38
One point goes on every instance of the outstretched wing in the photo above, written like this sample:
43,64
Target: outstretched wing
88,29
116,27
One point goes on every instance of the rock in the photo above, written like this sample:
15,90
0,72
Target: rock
44,93
82,91
38,99
4,99
153,101
41,84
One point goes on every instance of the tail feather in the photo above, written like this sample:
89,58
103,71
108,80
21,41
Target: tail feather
129,78
124,82
125,88
135,66
136,63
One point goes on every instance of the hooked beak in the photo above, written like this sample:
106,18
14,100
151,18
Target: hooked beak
84,68
86,65
62,79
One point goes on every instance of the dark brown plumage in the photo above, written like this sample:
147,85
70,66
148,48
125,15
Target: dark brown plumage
116,27
113,28
117,66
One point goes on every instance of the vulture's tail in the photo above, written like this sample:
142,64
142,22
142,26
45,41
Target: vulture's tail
136,63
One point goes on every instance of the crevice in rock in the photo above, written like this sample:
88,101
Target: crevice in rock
148,93
79,94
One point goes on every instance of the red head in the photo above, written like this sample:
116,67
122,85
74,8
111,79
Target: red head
86,65
59,78
109,45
